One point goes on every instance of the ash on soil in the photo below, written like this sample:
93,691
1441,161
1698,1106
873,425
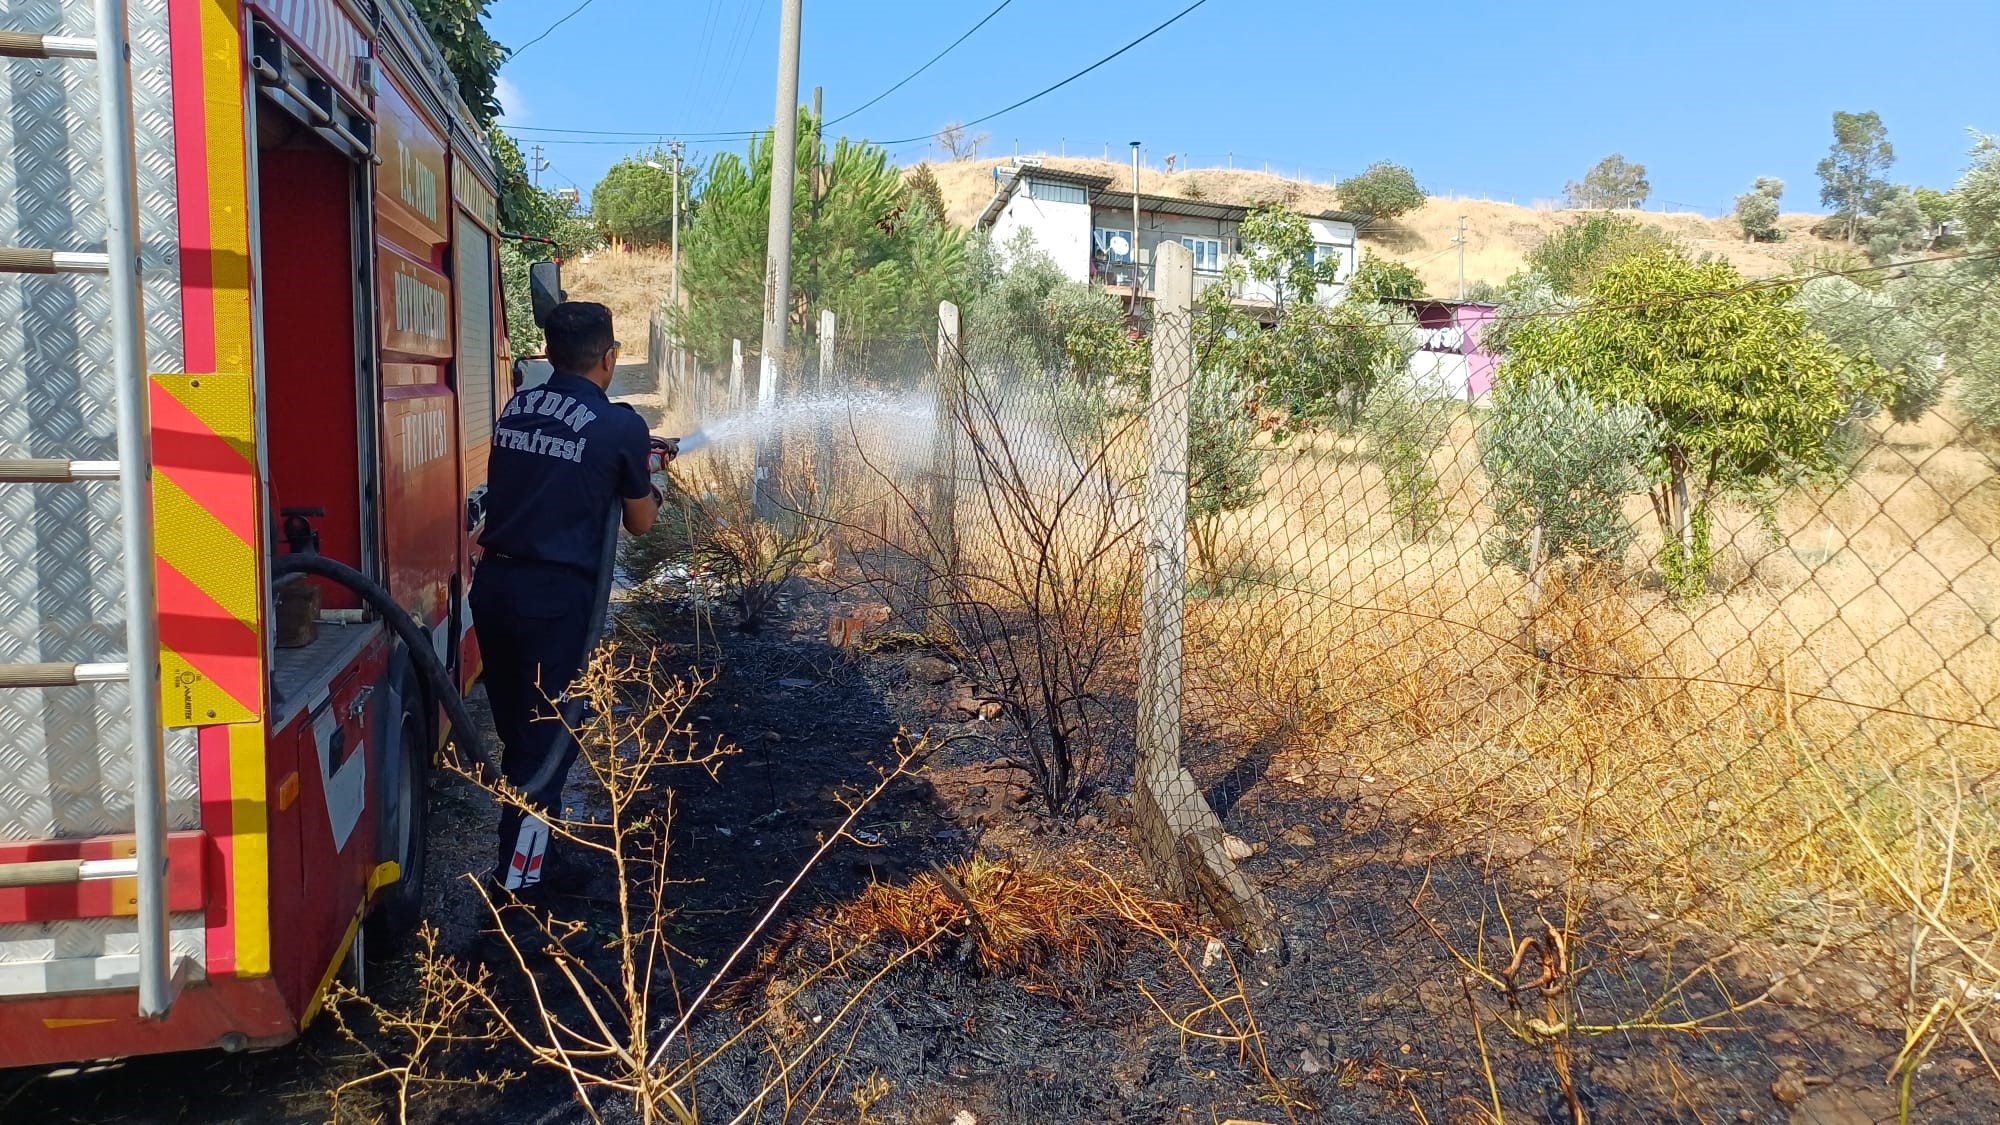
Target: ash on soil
1365,1021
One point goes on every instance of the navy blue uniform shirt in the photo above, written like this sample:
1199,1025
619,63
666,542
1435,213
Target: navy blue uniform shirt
564,456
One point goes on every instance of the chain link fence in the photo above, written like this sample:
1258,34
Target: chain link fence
1591,702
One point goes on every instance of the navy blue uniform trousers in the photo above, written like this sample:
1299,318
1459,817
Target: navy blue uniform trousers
533,621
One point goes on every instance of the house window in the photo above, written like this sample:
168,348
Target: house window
1112,245
1051,192
1207,253
1328,252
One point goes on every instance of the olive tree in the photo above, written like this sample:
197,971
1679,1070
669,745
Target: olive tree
1757,210
1225,465
1612,182
1875,327
1404,426
1561,463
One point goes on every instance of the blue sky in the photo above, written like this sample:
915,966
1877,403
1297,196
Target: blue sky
1488,99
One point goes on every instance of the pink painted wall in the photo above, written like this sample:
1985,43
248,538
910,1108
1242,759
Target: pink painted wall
1472,320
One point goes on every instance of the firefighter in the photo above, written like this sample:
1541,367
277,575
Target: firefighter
565,458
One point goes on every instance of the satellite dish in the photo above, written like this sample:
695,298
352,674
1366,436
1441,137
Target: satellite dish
1120,244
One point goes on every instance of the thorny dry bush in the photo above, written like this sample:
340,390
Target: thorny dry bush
596,1000
1027,564
716,540
606,1015
411,1047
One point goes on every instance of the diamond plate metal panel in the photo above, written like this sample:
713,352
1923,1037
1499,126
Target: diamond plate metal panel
65,757
27,943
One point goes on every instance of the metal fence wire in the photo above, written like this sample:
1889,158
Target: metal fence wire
1609,735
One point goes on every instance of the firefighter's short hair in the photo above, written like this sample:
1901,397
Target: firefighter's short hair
579,333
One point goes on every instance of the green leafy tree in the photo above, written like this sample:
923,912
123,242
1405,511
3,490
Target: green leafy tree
458,27
1744,394
864,252
1851,174
1225,465
1404,428
1318,362
1574,254
524,210
1757,210
1278,251
1382,191
1561,463
1938,207
1384,279
635,199
1611,183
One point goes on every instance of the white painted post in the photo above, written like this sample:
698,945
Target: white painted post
736,376
823,444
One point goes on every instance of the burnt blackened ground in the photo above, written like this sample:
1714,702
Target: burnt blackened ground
1369,1017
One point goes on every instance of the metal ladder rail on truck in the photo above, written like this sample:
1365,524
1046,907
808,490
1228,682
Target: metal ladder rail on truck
281,334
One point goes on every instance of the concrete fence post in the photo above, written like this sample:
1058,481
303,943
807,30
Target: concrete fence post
1178,830
943,515
735,376
825,388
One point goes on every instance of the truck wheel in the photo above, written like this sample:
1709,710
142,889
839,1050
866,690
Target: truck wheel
400,905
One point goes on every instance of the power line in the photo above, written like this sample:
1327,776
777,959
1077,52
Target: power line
741,39
1045,91
700,70
639,134
933,60
654,134
549,30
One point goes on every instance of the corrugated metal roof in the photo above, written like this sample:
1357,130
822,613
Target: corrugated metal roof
1105,196
1011,178
1169,205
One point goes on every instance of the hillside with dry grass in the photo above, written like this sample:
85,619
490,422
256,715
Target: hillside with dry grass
1498,235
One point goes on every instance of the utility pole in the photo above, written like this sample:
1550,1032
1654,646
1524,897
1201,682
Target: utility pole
784,174
1461,257
778,244
537,165
1135,228
812,195
674,252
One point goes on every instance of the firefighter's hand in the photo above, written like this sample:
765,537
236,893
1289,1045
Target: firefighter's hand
662,451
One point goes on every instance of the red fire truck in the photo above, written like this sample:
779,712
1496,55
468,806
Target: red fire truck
249,314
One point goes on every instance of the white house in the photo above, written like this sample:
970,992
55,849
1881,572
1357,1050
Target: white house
1086,228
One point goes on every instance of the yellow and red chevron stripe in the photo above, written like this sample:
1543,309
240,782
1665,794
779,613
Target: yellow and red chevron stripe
205,532
206,495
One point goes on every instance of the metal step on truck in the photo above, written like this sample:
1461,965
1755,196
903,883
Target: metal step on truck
249,315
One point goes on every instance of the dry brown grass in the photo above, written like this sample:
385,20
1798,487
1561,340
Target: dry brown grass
630,283
1771,759
1057,929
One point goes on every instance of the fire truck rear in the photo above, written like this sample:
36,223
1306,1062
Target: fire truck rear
249,313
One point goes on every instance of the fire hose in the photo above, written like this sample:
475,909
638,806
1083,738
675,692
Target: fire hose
464,731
